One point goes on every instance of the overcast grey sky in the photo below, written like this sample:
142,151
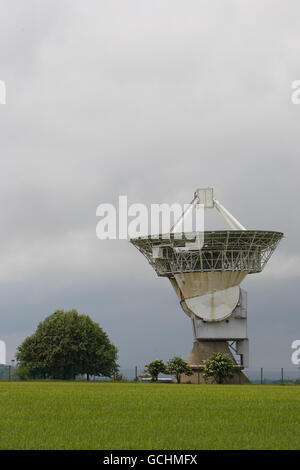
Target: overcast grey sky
151,99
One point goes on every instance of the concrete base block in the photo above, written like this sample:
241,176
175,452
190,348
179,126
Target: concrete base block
203,350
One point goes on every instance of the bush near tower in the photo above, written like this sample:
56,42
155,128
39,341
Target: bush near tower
175,366
155,368
178,366
220,366
67,344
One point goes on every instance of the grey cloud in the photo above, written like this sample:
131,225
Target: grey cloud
148,99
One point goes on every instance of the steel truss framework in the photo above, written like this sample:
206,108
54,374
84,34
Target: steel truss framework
239,250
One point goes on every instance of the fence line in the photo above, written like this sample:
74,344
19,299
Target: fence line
256,376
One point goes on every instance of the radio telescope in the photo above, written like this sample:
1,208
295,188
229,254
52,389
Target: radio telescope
206,277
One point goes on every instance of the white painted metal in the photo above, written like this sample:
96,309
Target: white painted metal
214,306
206,269
2,352
212,296
241,309
236,225
231,330
184,214
205,196
225,217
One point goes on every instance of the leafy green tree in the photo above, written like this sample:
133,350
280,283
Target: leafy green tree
178,366
155,368
220,366
66,344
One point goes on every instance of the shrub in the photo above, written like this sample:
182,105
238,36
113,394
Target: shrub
178,366
155,368
220,366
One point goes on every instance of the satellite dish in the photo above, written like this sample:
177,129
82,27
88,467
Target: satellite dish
207,277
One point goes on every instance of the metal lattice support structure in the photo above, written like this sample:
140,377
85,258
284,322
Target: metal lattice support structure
244,250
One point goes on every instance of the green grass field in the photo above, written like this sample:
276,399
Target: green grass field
77,415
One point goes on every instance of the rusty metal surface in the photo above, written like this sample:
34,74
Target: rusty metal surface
244,250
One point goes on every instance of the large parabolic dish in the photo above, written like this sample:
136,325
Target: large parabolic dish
206,269
207,281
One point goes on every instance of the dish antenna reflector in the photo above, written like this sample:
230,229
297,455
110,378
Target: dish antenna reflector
206,269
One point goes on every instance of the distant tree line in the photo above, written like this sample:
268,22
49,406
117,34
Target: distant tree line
175,366
219,366
68,344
